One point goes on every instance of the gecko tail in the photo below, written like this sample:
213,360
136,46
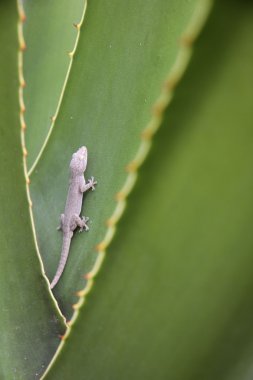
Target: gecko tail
63,259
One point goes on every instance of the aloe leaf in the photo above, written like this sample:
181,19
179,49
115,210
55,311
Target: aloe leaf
124,55
174,298
50,35
30,320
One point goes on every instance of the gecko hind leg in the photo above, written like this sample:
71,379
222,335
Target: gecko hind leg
84,224
76,221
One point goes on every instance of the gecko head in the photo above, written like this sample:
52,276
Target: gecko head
79,161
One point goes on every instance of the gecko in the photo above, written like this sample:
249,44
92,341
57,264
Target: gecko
71,219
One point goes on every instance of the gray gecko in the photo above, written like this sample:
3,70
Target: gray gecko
70,220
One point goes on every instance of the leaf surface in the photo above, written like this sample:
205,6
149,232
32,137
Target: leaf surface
174,298
124,55
49,36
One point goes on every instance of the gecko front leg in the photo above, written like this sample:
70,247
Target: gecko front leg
90,185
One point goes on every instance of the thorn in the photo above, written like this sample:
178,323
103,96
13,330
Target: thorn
110,222
170,84
100,247
25,152
81,293
120,196
75,306
62,337
147,134
158,109
53,118
23,84
22,15
22,109
30,204
71,53
77,26
28,181
88,276
23,126
187,40
131,167
22,46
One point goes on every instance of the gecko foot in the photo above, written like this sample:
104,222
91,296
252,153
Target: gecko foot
92,183
83,224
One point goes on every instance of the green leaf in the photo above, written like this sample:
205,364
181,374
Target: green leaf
30,321
124,55
49,36
174,298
